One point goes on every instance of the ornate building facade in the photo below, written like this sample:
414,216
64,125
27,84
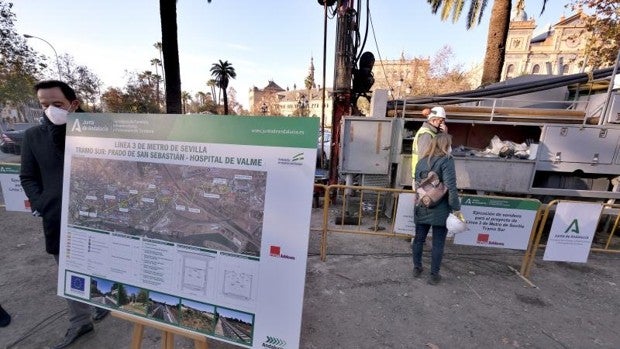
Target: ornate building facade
274,100
559,50
401,77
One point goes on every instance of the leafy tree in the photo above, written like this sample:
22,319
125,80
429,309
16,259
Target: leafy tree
223,72
203,103
86,84
112,100
443,77
429,76
498,29
19,65
170,51
235,107
122,295
604,24
138,96
143,296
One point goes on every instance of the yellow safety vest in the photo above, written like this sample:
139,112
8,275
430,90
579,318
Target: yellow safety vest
414,148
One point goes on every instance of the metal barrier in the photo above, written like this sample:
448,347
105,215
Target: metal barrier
360,212
358,204
534,244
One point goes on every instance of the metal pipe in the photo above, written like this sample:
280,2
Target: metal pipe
511,90
323,90
611,87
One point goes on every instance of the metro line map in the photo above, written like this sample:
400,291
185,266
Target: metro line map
215,208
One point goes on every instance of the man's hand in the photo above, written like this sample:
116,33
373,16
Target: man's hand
443,127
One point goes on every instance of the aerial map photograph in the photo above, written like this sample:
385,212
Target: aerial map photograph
216,208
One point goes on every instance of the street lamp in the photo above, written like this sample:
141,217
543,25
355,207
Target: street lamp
28,36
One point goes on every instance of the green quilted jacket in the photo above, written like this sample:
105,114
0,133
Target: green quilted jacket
444,167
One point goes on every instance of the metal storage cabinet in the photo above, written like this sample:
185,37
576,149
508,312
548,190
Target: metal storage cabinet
366,145
569,148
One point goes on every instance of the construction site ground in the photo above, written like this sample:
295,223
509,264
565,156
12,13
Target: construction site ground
362,296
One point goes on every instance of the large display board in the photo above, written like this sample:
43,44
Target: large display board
199,222
497,222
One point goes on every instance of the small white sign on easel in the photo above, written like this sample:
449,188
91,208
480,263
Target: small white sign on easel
14,197
572,231
404,222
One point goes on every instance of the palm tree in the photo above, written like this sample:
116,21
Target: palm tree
223,72
158,46
157,63
212,83
170,51
185,97
498,29
202,97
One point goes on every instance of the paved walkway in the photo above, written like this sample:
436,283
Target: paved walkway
363,296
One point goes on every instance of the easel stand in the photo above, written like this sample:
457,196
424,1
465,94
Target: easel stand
167,338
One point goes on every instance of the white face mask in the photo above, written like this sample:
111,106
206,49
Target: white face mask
56,115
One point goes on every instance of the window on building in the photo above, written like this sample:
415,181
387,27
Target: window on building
565,69
536,69
510,71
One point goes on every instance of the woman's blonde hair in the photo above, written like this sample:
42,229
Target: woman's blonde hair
440,146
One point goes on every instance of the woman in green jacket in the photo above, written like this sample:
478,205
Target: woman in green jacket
436,158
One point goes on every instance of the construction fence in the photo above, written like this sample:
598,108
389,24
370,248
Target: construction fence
566,230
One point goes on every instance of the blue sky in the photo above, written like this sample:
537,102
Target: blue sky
264,40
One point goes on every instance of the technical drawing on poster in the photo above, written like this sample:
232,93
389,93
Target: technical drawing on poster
237,284
216,208
237,281
195,272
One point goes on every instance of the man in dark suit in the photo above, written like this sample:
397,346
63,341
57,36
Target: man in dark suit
43,151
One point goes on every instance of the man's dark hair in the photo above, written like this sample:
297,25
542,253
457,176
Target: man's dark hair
66,89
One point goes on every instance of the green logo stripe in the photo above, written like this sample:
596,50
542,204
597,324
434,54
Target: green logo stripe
224,129
268,131
508,203
9,168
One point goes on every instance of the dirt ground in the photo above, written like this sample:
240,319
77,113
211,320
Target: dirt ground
363,296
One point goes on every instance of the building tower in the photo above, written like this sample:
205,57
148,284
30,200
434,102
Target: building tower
309,81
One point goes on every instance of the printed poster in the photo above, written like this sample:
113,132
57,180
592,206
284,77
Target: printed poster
193,221
572,231
497,221
14,196
404,222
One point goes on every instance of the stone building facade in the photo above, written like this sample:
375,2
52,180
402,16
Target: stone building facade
401,77
274,100
558,50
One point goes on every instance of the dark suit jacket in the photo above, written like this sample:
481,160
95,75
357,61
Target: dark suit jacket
42,176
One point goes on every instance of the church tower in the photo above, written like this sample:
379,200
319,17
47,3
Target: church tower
309,81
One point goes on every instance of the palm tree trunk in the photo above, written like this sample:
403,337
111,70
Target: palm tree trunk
225,101
170,49
496,41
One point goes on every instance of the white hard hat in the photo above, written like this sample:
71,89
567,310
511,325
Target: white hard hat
437,112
